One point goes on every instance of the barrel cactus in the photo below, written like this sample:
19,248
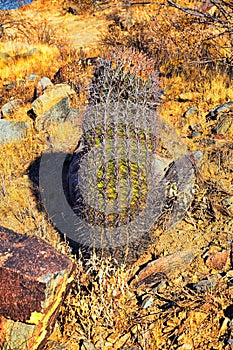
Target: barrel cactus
121,170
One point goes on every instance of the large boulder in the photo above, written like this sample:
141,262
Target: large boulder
12,131
52,106
32,288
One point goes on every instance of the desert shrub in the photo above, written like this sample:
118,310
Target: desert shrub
82,6
13,27
45,33
178,38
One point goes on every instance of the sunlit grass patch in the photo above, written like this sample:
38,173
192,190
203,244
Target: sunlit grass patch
24,60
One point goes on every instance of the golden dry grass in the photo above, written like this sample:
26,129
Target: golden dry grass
15,69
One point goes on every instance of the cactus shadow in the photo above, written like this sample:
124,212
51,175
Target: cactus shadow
48,201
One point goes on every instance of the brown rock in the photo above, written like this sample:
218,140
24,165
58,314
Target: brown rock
34,280
164,266
217,260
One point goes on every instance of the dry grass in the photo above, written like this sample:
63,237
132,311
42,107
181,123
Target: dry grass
101,307
17,67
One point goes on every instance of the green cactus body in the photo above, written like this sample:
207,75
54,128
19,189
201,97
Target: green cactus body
114,175
118,184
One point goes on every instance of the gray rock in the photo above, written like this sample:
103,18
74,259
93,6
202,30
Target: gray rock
224,126
42,85
214,113
206,285
12,131
32,77
10,107
52,106
192,111
56,113
74,116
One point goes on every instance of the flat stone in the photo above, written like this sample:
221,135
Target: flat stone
10,107
34,281
162,267
12,131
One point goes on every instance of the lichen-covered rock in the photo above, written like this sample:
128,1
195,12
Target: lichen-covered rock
57,113
73,115
52,106
217,111
10,107
34,280
12,131
224,126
